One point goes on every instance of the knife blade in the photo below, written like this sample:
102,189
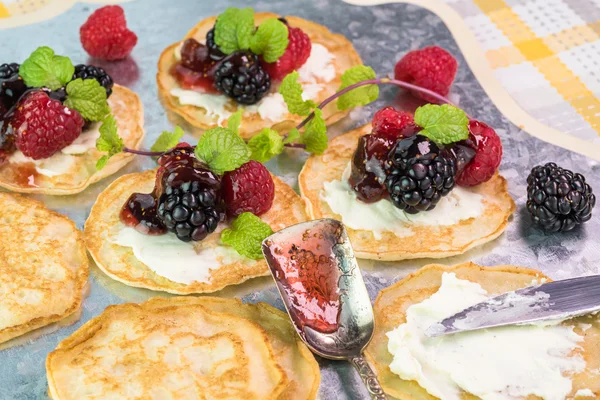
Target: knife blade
556,300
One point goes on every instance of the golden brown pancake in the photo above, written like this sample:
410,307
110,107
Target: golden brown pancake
43,266
345,57
392,303
119,262
80,171
426,241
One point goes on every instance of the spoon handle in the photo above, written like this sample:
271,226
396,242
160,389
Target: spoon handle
368,377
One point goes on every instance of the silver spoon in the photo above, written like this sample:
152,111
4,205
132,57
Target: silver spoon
317,275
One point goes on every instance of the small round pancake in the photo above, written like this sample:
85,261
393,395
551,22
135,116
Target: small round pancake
426,241
392,302
119,262
43,266
164,349
345,57
290,352
81,168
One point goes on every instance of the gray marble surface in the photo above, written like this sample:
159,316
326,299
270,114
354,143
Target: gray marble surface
381,35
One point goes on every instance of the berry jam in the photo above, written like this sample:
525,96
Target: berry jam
139,212
307,271
196,69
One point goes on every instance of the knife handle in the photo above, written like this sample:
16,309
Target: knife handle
368,377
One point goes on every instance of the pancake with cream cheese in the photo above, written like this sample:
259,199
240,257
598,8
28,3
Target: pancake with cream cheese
212,264
409,240
43,269
390,312
345,56
73,169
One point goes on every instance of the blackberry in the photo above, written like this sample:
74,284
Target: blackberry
214,51
420,174
241,77
190,202
12,86
89,71
558,199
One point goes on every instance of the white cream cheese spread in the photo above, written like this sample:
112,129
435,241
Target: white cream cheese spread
319,67
584,393
382,216
494,364
61,162
174,259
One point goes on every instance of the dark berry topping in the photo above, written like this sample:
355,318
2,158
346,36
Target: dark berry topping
12,86
140,212
215,52
91,72
196,69
558,199
241,77
369,167
420,174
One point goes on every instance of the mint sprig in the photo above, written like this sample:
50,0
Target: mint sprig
222,149
266,145
235,121
234,30
359,96
45,69
109,141
167,140
291,90
444,124
87,97
315,134
246,235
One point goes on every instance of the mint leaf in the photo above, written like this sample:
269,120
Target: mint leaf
109,140
246,235
233,29
362,95
87,97
167,140
292,136
270,40
291,90
44,69
315,134
443,124
234,121
222,149
266,145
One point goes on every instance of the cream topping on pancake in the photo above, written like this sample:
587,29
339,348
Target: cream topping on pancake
318,69
461,204
494,364
174,259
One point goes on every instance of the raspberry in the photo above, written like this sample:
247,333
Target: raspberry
105,35
249,188
431,67
487,158
295,55
44,126
389,122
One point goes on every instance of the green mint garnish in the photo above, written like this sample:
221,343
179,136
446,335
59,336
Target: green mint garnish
315,134
45,69
266,145
291,90
109,141
167,140
362,95
222,149
246,235
443,124
87,97
234,121
234,29
293,135
270,40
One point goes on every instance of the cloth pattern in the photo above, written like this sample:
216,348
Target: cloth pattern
546,53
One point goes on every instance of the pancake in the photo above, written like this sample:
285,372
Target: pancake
345,57
119,262
43,266
392,302
78,171
426,241
165,349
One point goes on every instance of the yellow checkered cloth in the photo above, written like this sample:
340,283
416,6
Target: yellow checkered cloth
546,53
